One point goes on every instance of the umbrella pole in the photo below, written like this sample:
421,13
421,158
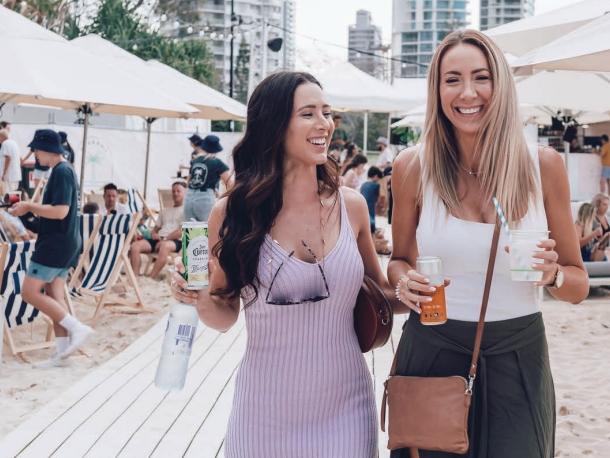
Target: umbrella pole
389,126
86,110
149,122
366,132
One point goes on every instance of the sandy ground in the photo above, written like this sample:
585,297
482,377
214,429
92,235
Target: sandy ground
579,343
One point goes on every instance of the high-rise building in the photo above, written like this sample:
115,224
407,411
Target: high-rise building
498,12
418,26
261,21
364,38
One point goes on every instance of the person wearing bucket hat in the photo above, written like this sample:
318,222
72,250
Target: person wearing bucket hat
194,139
204,177
57,246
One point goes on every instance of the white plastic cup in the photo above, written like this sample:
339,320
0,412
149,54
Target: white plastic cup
523,245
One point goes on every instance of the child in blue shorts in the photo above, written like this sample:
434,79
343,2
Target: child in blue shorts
57,246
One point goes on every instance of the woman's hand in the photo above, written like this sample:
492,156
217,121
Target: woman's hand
414,288
178,285
550,266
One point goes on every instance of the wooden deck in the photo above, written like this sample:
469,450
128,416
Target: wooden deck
117,411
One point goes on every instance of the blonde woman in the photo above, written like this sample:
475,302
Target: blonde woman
474,149
590,234
601,202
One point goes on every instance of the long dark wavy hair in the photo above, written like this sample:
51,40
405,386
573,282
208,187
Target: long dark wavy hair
256,197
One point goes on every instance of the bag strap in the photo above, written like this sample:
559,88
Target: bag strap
481,324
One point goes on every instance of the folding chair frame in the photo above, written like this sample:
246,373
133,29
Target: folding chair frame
104,298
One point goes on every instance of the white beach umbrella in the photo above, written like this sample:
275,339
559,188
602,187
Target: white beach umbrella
42,68
210,103
577,91
521,36
586,48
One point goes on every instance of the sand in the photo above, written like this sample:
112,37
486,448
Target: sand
579,344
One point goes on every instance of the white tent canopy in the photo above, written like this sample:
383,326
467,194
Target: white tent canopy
350,89
521,36
42,68
577,91
210,103
586,48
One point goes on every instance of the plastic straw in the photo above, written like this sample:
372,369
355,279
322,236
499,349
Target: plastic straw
501,215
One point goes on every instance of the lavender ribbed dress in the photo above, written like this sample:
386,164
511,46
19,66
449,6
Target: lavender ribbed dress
303,388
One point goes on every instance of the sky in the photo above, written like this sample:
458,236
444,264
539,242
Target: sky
328,20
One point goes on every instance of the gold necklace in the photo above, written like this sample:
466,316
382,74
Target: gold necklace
470,172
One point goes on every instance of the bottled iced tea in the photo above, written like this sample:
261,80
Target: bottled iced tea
435,311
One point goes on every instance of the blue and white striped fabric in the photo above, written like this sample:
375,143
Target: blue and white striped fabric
133,201
106,251
17,311
87,224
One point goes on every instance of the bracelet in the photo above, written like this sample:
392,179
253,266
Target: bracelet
398,286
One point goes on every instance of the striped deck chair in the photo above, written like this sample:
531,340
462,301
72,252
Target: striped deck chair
39,191
15,258
107,249
137,204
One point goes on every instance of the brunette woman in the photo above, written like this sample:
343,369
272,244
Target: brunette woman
294,247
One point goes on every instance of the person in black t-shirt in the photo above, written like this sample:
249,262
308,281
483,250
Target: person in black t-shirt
57,247
204,176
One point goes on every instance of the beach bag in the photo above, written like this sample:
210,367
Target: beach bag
431,413
373,316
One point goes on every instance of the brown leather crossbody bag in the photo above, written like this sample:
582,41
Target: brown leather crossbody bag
373,316
431,413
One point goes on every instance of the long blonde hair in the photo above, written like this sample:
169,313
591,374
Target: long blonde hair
585,216
505,168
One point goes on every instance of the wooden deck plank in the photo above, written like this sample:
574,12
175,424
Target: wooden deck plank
205,442
131,417
94,428
204,401
144,440
18,440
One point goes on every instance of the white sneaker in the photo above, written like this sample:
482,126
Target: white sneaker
53,361
78,338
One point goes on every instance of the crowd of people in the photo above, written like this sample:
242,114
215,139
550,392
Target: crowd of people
373,182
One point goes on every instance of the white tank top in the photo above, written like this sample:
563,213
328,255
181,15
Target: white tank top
464,248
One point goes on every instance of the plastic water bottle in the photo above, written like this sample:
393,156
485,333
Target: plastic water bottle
177,346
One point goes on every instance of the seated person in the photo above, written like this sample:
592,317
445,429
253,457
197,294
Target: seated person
13,228
165,238
593,241
112,206
91,208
